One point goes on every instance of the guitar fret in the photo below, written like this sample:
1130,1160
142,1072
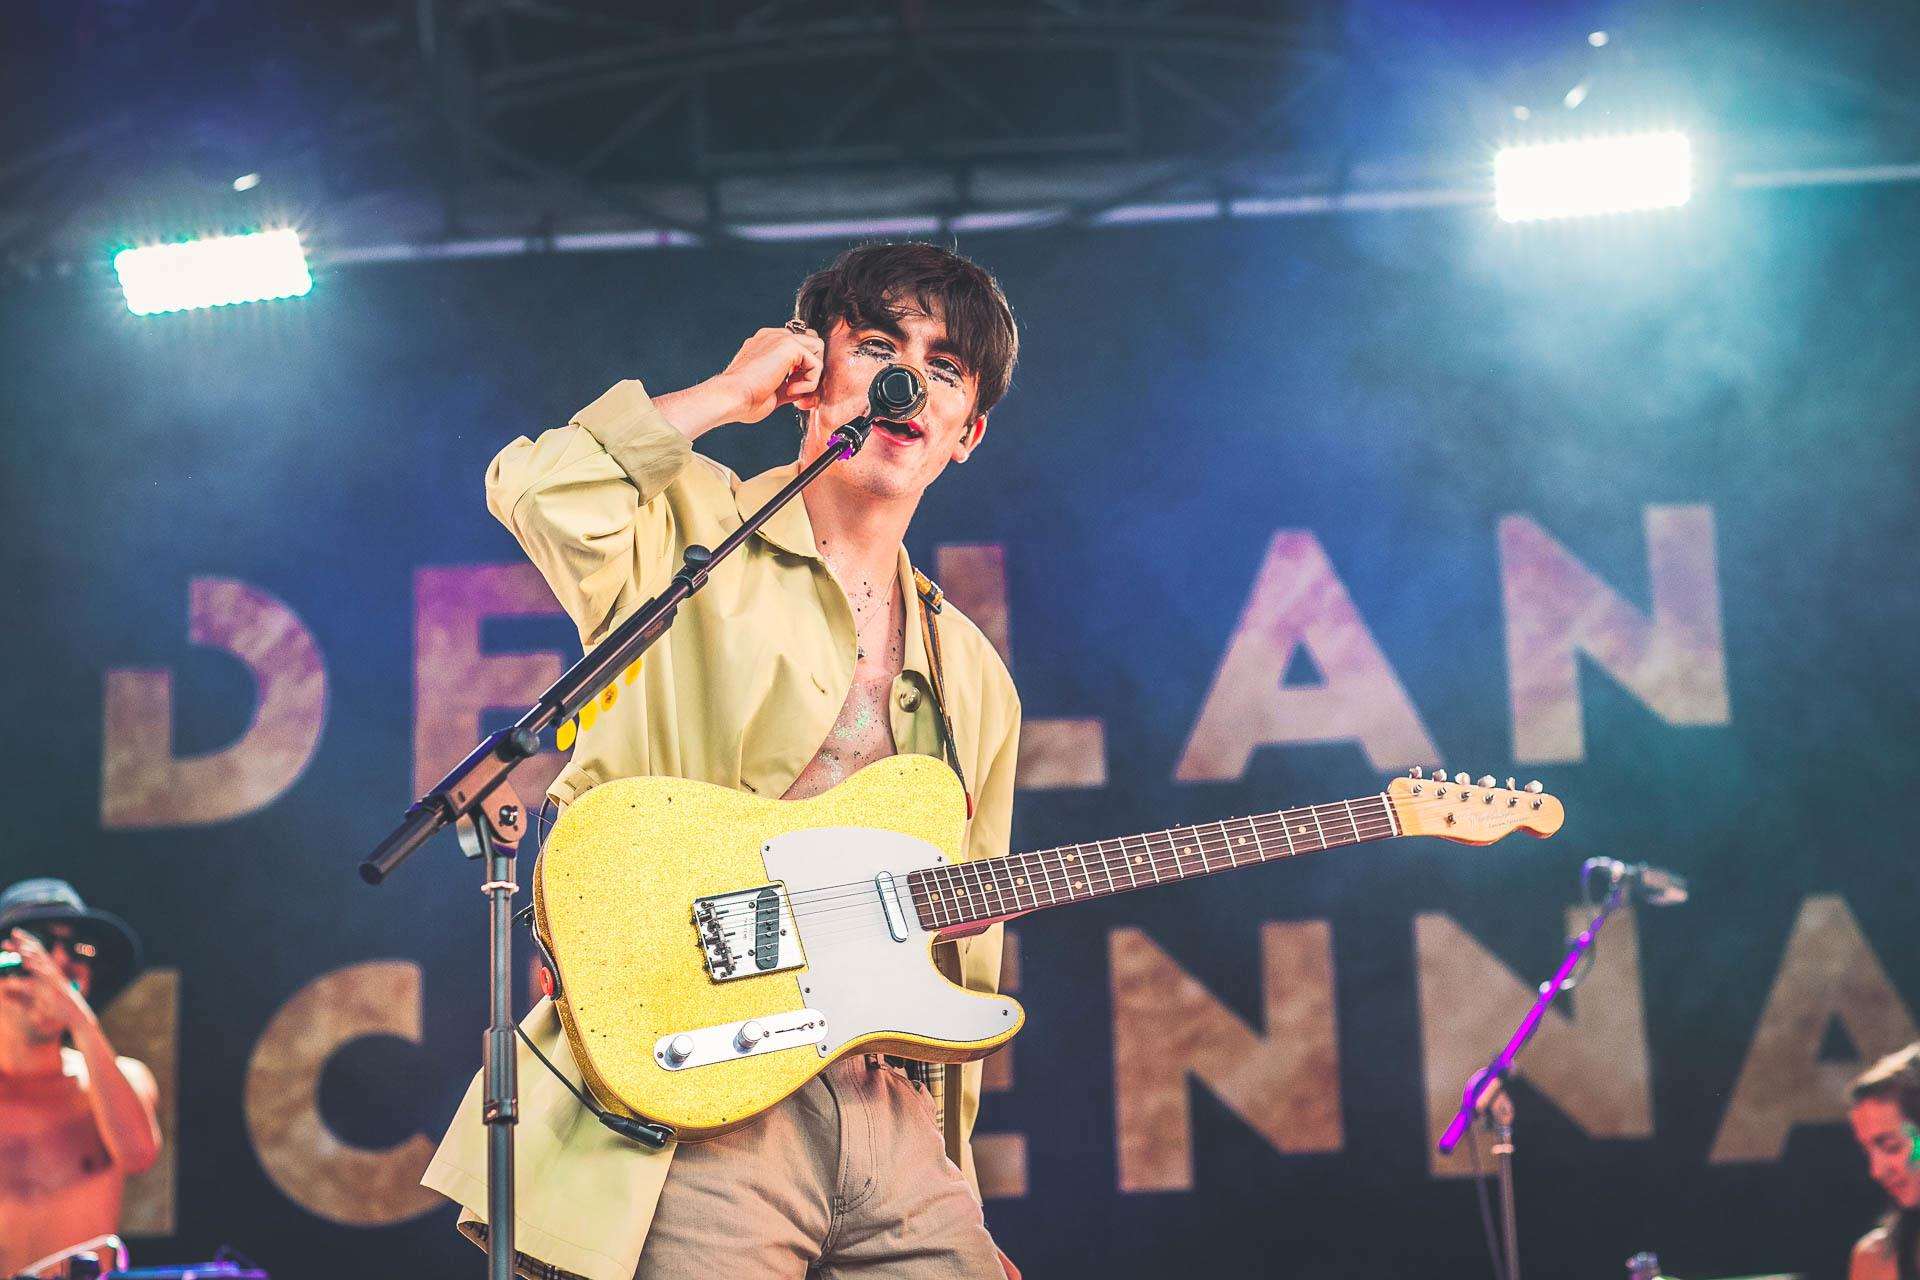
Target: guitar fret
982,904
1106,865
1047,865
1126,860
1259,845
1232,859
1315,811
1348,806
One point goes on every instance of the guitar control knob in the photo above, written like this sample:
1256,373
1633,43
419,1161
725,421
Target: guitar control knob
679,1049
749,1035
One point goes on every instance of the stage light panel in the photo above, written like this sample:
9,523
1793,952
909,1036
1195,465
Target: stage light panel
1591,176
213,272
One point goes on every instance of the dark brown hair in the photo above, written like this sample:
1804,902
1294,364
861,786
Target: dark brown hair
1895,1077
877,282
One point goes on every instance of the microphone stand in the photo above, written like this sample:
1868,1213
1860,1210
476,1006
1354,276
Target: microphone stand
476,795
1486,1094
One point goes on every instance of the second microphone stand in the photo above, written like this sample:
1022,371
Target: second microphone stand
1486,1093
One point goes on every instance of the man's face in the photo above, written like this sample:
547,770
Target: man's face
897,462
1888,1138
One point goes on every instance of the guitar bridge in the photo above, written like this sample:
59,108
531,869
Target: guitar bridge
747,933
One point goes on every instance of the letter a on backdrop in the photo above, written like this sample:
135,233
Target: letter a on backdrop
1298,601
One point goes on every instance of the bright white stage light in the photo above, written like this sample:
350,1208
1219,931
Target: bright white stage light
213,272
1600,175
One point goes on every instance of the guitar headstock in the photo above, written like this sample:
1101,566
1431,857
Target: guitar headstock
1470,812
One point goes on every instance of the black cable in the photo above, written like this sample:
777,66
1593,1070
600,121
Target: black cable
1486,1208
654,1137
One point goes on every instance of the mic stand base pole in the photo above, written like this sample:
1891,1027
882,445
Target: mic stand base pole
1500,1119
494,841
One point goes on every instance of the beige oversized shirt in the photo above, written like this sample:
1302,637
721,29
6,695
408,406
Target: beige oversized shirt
742,692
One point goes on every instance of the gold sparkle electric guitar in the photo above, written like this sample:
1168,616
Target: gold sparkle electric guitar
716,950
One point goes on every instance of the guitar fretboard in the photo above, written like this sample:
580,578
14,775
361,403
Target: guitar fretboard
994,888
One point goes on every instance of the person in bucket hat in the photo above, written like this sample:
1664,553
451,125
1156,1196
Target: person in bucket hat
76,1119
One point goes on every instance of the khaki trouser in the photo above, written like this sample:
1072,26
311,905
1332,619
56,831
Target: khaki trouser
847,1177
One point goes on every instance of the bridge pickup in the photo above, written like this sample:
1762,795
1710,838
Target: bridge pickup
747,933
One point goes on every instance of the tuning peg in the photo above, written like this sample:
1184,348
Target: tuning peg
1461,779
1439,774
1509,784
1534,787
1486,781
1416,772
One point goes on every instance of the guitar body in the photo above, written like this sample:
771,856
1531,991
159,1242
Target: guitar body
716,950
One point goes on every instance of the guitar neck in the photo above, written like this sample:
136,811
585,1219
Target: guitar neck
951,897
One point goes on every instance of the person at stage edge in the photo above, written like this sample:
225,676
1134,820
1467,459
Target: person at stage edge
76,1119
1884,1109
803,660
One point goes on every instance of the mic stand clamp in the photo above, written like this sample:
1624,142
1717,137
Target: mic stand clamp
478,787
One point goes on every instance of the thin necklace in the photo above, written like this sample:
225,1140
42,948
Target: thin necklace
859,632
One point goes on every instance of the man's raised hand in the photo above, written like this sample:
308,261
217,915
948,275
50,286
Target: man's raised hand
40,967
772,368
775,367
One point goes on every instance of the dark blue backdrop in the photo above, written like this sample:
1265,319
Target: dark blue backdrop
1393,384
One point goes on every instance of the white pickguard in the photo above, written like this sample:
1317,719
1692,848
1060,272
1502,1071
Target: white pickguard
864,980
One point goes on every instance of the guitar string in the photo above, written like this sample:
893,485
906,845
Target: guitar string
1207,841
866,917
1057,880
1261,825
1044,866
861,888
871,920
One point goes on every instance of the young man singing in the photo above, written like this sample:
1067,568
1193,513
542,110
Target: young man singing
805,658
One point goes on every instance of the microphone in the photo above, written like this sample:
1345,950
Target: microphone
896,393
1655,886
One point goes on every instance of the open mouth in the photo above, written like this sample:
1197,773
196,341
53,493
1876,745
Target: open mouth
900,432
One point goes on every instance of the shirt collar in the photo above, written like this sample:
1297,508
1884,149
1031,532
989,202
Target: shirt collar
788,528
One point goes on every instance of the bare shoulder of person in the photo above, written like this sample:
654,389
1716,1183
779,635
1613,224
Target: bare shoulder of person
1873,1257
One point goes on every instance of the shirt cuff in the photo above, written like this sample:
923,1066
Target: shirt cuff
637,436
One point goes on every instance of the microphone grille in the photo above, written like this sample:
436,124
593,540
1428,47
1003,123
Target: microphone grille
897,392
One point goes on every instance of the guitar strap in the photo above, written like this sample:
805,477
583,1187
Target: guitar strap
932,600
946,956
